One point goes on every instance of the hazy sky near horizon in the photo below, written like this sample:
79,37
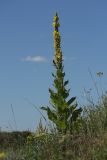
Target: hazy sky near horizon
26,53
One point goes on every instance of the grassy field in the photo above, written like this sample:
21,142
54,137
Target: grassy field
87,142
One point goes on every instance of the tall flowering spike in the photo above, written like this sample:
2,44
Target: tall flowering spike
63,111
57,40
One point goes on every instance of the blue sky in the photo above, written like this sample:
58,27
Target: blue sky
26,52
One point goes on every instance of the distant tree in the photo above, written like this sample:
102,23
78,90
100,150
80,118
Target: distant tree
64,113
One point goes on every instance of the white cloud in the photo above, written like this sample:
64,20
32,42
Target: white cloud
34,59
69,58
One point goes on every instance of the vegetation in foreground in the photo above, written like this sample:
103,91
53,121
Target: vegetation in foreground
77,134
88,143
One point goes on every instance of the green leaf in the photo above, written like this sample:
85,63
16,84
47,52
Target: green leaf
44,108
76,114
55,64
53,75
80,110
61,124
64,94
66,82
72,108
51,91
52,115
71,100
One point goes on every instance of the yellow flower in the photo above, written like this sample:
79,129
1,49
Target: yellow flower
53,24
56,18
56,33
2,155
58,57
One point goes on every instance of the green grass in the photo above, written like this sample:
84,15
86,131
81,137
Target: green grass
88,142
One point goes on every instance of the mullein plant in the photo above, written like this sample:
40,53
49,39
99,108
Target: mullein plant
63,112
